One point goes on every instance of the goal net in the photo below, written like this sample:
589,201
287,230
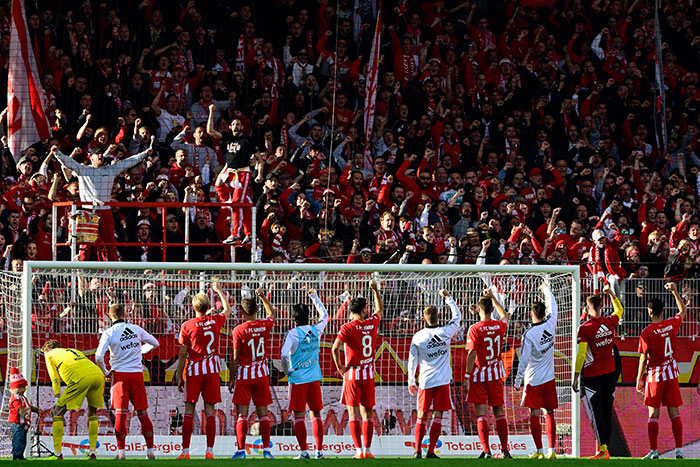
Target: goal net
69,302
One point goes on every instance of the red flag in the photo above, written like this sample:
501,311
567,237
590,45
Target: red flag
26,118
526,3
371,83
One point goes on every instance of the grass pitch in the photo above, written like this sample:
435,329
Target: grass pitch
347,462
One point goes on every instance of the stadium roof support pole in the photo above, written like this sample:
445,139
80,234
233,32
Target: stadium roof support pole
575,401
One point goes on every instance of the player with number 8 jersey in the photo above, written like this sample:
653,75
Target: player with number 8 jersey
359,336
199,351
250,372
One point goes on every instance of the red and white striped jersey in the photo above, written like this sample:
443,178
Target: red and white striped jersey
250,338
202,336
359,337
658,343
486,338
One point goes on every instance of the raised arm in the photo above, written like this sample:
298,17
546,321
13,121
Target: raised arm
269,309
211,131
322,311
682,309
550,302
378,303
503,314
456,317
618,310
216,287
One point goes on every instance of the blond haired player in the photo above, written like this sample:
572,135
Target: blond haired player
84,380
430,349
199,347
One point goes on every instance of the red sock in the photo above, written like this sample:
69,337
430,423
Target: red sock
502,430
356,431
147,429
551,429
317,428
187,427
482,427
211,431
265,431
367,429
536,430
435,430
653,429
419,434
241,431
300,432
120,428
677,427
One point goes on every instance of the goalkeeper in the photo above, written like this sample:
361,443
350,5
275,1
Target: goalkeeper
83,380
596,358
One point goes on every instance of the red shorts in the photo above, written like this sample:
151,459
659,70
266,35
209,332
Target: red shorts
486,392
543,396
358,392
207,385
128,387
438,397
257,389
301,395
665,393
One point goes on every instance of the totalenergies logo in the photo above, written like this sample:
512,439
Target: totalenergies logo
257,446
426,442
83,446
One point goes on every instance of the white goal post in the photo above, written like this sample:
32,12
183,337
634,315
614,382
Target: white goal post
67,299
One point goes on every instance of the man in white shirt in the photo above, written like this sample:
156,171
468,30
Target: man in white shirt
300,361
536,369
430,348
126,343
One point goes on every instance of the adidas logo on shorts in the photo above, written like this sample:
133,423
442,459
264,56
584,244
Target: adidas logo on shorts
127,335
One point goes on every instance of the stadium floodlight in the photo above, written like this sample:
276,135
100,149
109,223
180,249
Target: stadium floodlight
68,300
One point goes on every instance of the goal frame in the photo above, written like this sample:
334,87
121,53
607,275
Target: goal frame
30,266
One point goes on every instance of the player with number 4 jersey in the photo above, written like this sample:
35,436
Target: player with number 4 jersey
657,346
359,336
483,380
430,350
199,350
249,371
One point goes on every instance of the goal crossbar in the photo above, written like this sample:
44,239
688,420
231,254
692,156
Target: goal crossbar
574,271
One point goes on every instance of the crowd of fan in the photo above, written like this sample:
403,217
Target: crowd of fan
502,133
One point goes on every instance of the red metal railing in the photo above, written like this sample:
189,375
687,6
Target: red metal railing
75,205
